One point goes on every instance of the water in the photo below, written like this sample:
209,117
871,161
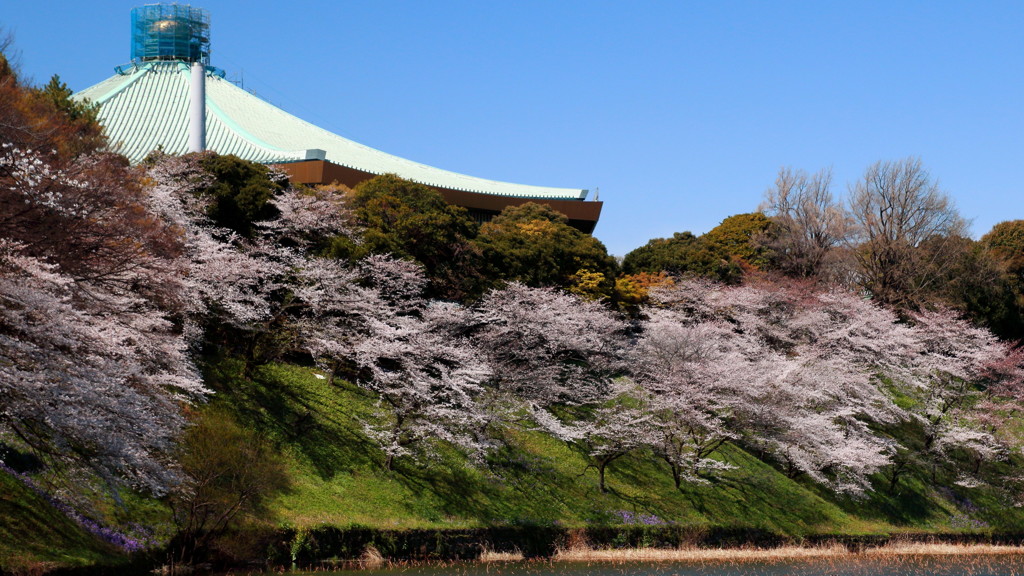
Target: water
981,565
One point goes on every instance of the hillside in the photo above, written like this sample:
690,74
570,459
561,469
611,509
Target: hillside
159,327
337,478
36,536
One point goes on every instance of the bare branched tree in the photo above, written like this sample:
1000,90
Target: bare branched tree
906,231
8,51
810,224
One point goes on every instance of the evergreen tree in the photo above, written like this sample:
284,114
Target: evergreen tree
535,245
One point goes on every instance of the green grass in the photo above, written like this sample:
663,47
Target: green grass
35,536
337,477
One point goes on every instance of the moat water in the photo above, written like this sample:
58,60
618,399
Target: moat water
982,565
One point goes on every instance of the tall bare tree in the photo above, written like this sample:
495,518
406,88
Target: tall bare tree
898,209
809,223
9,53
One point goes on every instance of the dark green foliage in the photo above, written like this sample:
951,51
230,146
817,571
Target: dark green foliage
21,461
979,279
723,253
674,255
6,71
240,192
231,472
308,546
59,95
1001,305
1004,245
535,245
735,239
1005,242
984,287
412,221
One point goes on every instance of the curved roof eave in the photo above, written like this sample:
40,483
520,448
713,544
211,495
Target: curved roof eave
146,107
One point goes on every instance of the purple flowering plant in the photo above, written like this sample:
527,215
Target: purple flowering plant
121,540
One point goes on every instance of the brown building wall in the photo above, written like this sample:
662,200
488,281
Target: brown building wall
582,215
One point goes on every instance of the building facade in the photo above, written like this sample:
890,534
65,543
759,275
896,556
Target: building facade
170,98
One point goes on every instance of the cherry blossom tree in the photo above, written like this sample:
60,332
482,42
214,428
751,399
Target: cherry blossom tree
94,366
427,382
225,277
787,369
411,353
604,431
547,350
408,352
308,217
683,367
548,347
960,371
803,418
247,287
336,312
368,319
616,427
818,370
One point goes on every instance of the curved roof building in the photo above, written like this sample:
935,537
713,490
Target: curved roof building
169,98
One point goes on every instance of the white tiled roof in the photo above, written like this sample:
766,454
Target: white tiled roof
146,108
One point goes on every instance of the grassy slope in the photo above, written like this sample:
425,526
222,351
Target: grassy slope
337,477
34,535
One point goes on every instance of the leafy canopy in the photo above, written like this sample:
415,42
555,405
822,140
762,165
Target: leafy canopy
1006,243
412,221
535,245
723,253
240,191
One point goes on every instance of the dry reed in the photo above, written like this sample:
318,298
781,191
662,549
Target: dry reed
696,554
371,557
939,549
490,556
693,554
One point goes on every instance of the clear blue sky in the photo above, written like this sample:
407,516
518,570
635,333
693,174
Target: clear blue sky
681,112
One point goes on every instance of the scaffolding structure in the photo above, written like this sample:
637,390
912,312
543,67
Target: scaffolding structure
170,32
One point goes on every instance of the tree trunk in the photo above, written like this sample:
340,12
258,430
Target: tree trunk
332,372
894,480
676,475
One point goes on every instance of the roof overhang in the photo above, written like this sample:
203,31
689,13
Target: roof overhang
583,215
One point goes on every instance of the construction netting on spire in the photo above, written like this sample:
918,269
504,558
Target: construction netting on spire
170,32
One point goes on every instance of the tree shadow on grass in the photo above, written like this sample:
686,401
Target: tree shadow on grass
910,505
459,491
760,497
289,407
513,487
541,491
40,529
